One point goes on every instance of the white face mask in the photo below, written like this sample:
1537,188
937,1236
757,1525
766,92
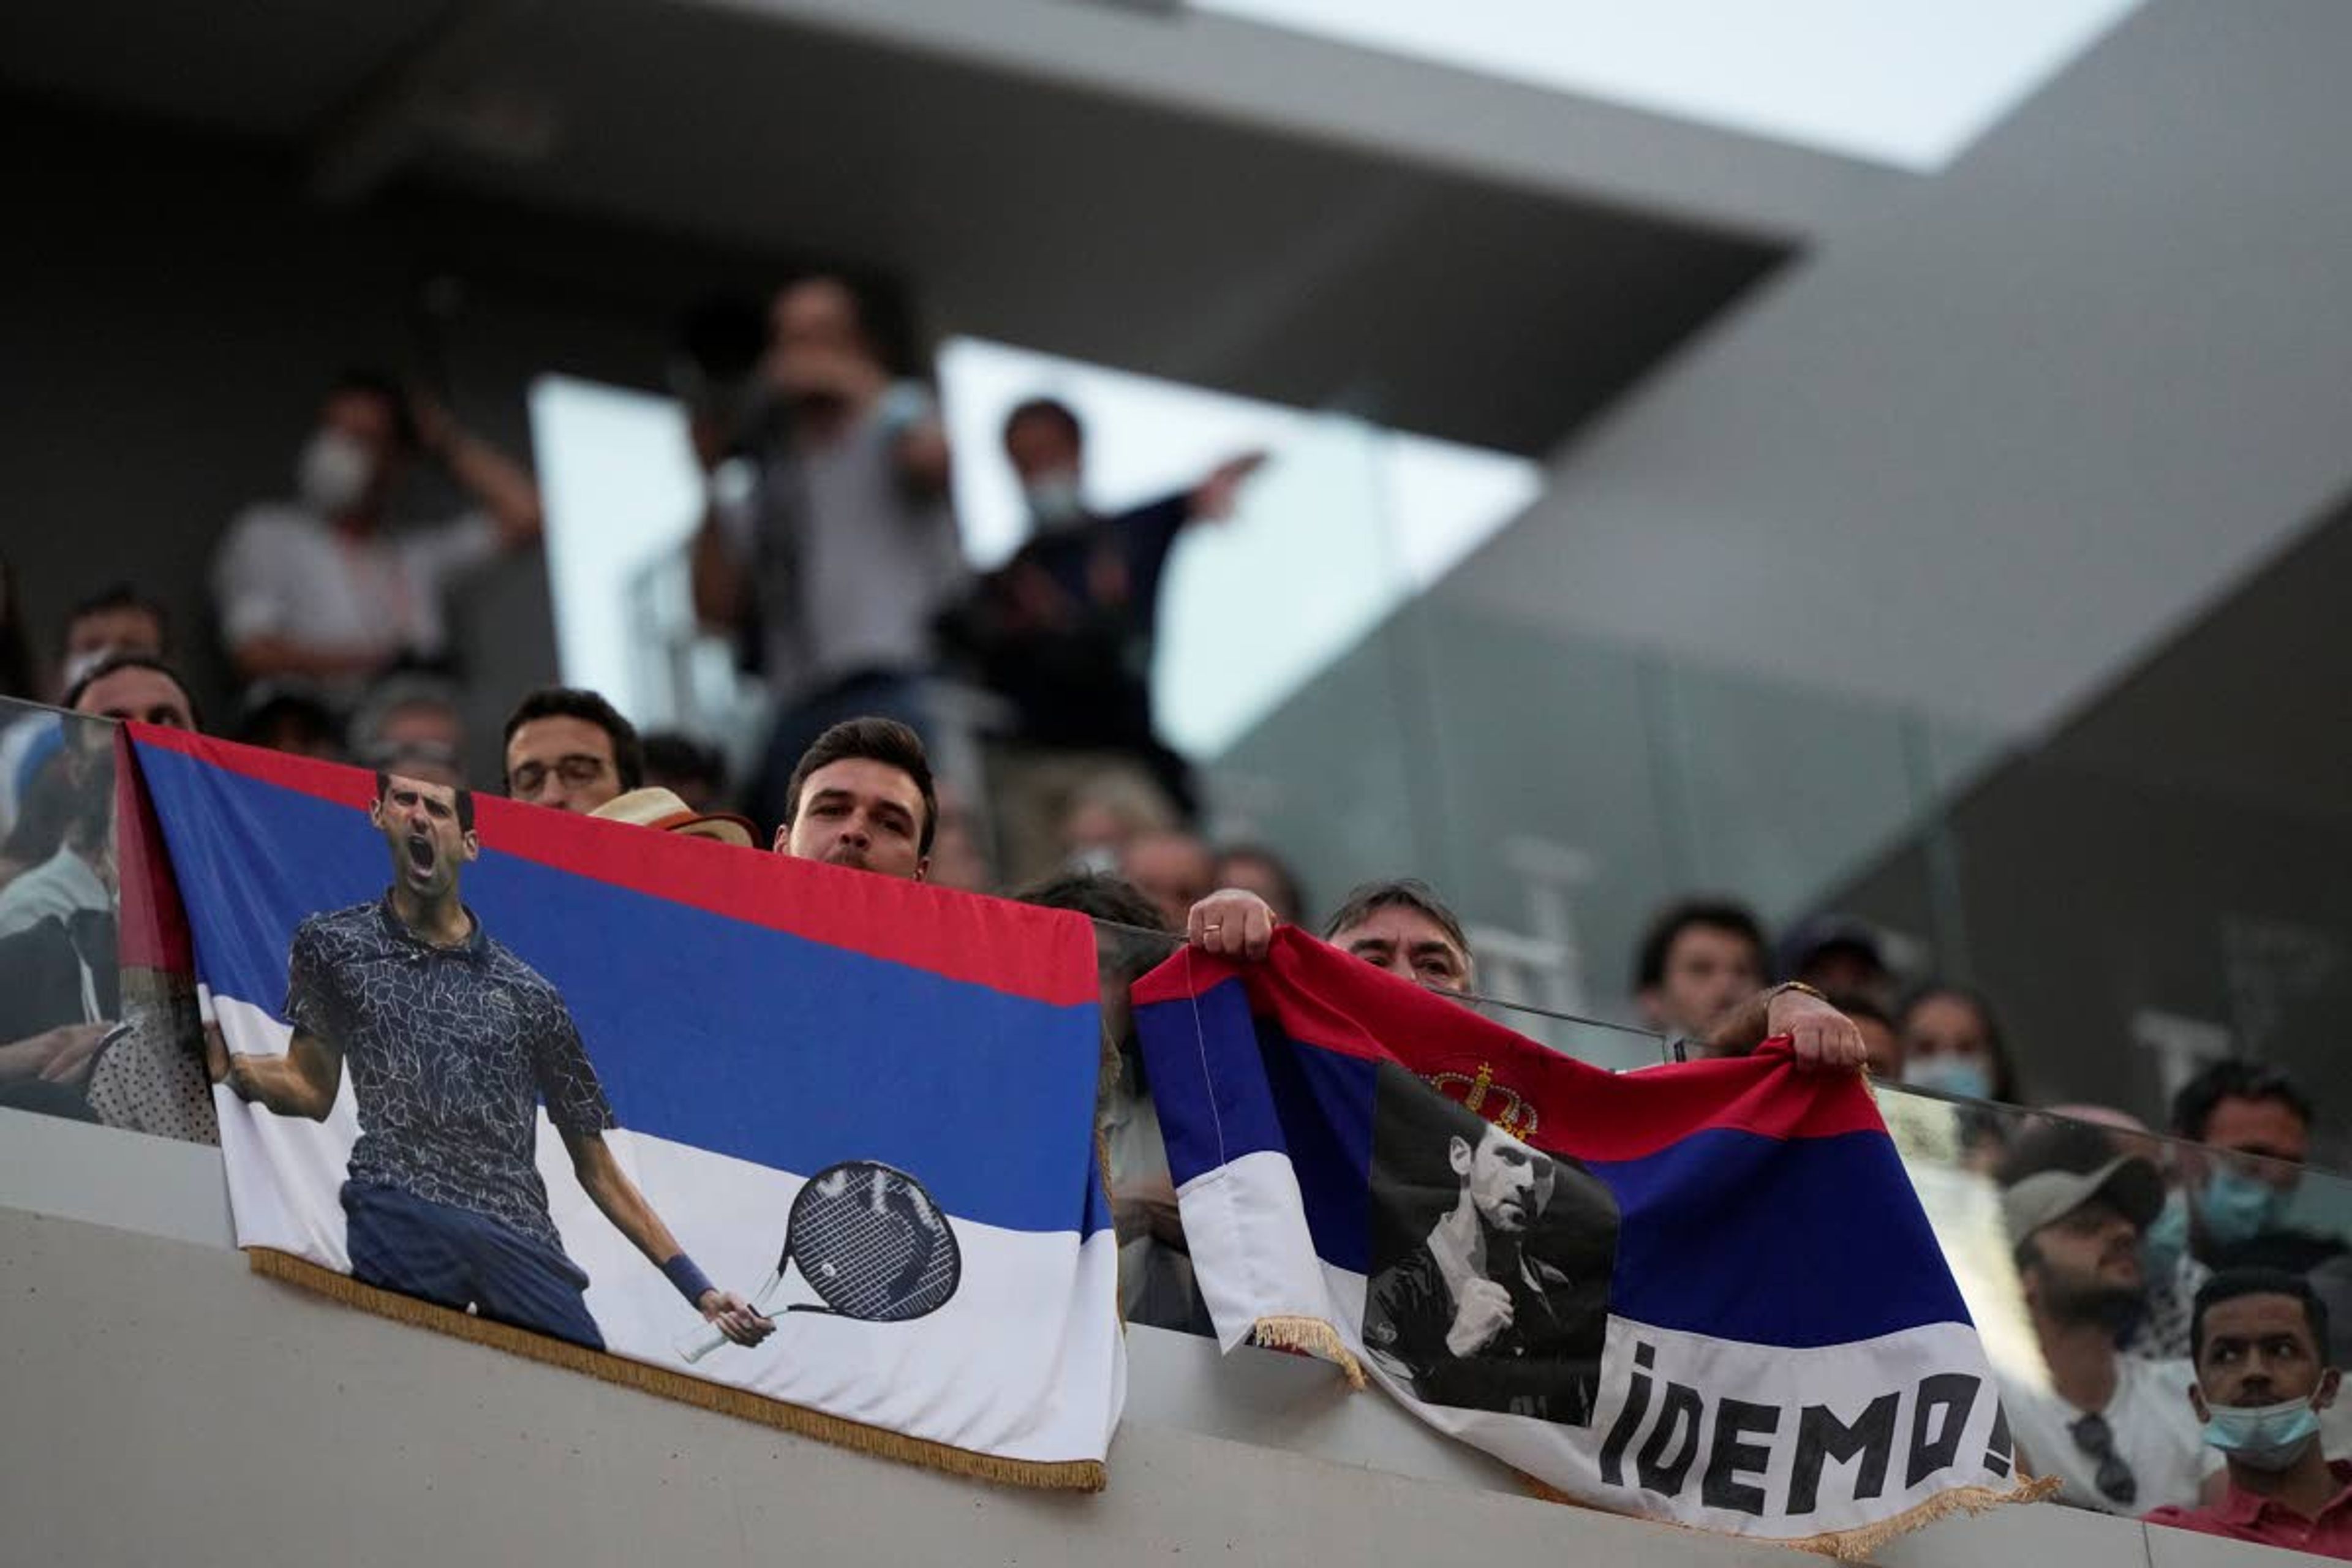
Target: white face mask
334,471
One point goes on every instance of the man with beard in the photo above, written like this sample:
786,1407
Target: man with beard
452,1041
862,796
2116,1429
1471,1317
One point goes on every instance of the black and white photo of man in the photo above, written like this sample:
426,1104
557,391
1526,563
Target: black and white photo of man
1501,1303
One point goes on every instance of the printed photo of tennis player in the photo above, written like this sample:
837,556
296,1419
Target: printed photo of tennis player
453,1042
1490,1259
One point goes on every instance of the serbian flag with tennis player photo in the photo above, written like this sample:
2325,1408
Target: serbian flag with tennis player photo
808,1144
1703,1292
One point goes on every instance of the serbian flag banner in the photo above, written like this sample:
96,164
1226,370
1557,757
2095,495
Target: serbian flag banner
1704,1293
808,1144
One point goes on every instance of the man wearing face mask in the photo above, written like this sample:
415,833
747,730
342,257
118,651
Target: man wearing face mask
2251,1126
1063,631
321,588
2263,1375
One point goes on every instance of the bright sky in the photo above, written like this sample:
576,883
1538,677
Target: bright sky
1906,82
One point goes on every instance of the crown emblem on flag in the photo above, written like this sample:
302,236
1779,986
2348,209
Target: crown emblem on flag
1475,1093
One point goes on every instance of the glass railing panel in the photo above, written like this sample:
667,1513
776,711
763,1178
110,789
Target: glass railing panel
2083,1285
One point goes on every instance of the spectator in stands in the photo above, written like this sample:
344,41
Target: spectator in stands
322,588
289,720
1262,871
2115,1429
661,810
571,749
1155,1269
1064,630
836,568
1109,812
2157,1328
1173,867
79,879
132,686
862,796
959,850
1402,926
693,772
1878,1037
1952,1043
1698,960
412,725
118,620
2260,1337
1837,955
2250,1129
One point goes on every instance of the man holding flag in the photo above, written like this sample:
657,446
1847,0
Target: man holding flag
1704,1293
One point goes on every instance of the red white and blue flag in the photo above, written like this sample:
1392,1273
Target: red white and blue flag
1704,1293
895,1082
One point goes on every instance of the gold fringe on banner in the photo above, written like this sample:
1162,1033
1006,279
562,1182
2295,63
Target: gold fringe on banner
1314,1337
1847,1545
1074,1475
1854,1545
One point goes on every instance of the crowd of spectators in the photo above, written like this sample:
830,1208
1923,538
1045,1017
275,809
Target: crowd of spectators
834,566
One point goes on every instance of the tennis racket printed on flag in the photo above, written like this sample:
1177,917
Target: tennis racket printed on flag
870,1241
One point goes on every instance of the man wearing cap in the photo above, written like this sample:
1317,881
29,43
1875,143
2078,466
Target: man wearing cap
663,811
2116,1429
2259,1337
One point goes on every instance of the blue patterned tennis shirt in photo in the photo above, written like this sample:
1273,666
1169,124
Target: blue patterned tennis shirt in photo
450,1050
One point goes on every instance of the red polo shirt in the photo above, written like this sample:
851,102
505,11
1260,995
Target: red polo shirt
2243,1516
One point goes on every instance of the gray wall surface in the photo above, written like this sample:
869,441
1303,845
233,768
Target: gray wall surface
164,1406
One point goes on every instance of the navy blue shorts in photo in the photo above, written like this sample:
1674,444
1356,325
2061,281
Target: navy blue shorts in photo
462,1259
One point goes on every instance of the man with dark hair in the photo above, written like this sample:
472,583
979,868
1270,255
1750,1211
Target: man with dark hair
862,796
289,720
132,685
571,749
2114,1428
322,588
1064,630
1837,953
1131,937
2259,1338
694,772
1697,961
1402,926
2249,1128
1472,1316
452,1041
116,620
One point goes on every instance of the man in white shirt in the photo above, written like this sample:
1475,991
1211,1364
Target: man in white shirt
2116,1429
843,557
319,588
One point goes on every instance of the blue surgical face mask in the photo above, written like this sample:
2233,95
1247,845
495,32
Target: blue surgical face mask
2266,1437
1950,1073
2166,1241
2236,1207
